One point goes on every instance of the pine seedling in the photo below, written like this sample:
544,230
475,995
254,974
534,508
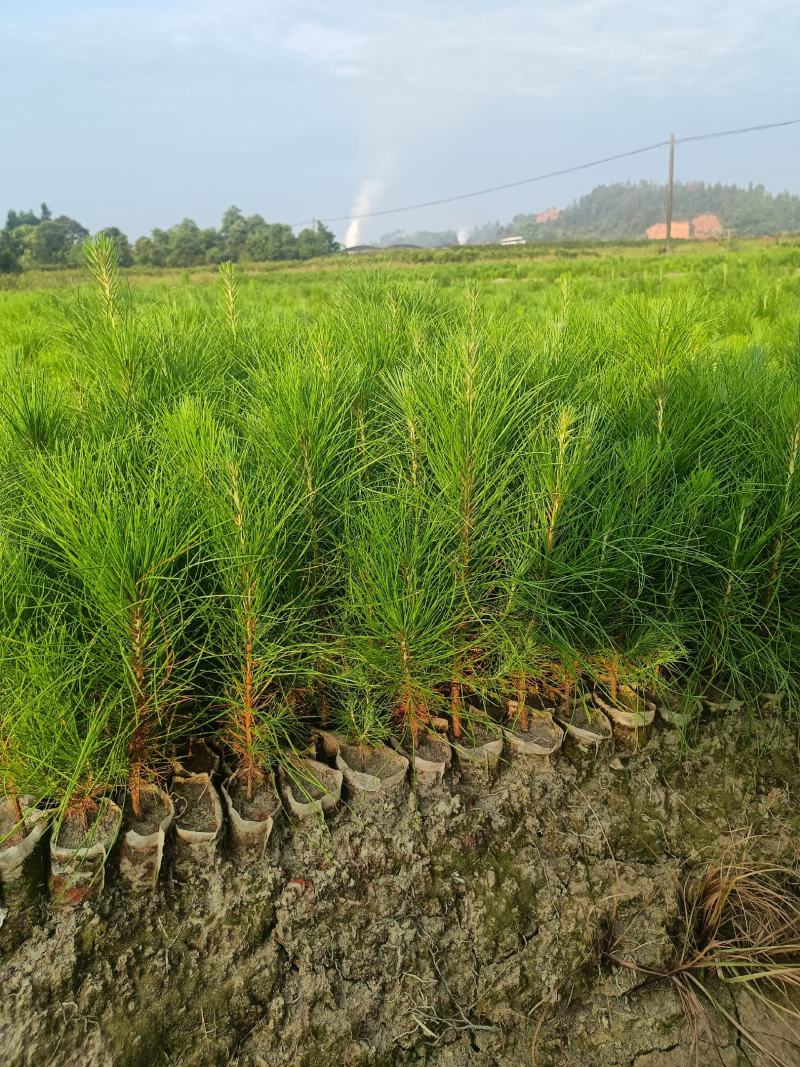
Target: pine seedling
558,456
103,264
65,741
229,297
301,422
661,337
132,359
469,406
788,507
254,543
109,519
20,605
399,601
545,570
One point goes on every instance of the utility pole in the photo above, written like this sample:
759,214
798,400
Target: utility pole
668,247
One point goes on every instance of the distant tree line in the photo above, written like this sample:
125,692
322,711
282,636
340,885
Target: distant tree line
625,210
622,211
29,240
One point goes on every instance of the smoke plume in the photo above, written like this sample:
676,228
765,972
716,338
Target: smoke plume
369,194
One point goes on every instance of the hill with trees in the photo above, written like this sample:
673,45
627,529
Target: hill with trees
624,210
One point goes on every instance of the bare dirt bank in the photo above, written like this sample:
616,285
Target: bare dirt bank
461,927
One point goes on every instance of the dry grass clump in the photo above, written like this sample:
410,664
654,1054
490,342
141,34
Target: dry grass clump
739,930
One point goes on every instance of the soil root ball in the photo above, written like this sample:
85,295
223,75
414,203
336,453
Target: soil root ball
79,851
631,717
368,769
142,850
310,788
541,741
479,750
428,760
198,823
251,818
21,869
586,725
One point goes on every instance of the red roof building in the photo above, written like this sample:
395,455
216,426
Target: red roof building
658,231
706,226
701,227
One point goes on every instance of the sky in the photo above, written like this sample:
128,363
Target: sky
140,113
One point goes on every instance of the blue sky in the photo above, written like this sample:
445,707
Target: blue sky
136,114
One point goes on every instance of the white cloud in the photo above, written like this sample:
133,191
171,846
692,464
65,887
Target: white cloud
322,43
507,47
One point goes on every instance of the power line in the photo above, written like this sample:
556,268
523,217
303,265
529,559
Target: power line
552,173
741,129
495,188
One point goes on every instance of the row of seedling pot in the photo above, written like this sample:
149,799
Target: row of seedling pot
206,802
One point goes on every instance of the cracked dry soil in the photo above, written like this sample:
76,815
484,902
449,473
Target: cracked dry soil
458,927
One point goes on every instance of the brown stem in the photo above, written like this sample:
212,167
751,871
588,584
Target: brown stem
134,788
410,715
248,582
80,809
467,509
138,648
552,515
18,835
455,706
522,707
774,570
247,711
416,729
414,714
138,743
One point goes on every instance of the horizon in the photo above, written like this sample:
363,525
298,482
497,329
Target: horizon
293,113
464,236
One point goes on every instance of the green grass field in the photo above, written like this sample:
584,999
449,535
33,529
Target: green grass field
360,492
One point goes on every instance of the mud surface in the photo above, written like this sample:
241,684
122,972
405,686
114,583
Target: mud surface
194,804
430,748
379,762
457,927
310,782
155,808
261,806
538,732
476,734
82,831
